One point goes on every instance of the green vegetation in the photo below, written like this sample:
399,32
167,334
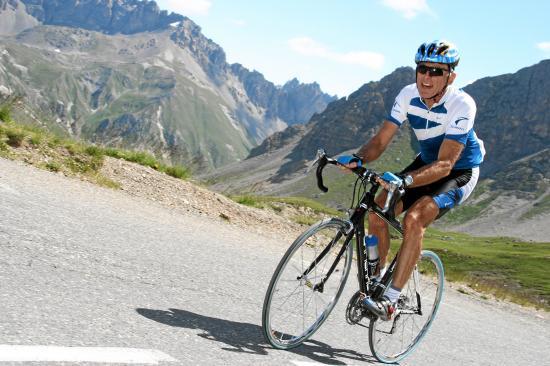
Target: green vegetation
304,220
504,267
72,157
5,113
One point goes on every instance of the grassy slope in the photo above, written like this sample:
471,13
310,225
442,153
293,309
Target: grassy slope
505,267
54,153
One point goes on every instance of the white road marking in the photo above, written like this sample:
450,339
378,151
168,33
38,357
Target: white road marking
82,354
306,363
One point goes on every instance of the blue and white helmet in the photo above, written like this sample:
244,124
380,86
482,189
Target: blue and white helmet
441,52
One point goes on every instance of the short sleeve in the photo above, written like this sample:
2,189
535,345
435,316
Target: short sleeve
462,121
398,113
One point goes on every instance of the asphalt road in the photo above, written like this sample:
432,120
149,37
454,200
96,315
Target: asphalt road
83,266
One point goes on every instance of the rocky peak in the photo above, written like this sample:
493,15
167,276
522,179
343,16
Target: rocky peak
5,3
294,102
14,18
107,16
209,54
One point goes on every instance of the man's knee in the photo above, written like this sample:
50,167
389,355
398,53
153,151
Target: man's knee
412,221
420,215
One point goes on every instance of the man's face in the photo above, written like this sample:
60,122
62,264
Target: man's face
431,78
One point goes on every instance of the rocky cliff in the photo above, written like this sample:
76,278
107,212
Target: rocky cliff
107,16
294,102
14,17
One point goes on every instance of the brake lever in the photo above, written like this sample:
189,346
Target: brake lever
395,186
320,154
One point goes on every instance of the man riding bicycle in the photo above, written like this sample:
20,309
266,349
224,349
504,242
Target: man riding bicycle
444,173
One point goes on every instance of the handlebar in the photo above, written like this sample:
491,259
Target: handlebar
323,159
394,193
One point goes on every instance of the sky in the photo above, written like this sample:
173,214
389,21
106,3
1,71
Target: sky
343,44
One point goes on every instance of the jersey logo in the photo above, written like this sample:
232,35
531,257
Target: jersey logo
460,119
395,107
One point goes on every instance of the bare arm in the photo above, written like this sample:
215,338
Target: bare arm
378,143
449,152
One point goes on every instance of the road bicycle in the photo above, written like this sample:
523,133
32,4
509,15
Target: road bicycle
312,274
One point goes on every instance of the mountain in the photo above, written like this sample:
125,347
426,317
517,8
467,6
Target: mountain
126,73
513,118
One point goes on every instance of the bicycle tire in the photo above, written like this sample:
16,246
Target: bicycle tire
392,341
284,323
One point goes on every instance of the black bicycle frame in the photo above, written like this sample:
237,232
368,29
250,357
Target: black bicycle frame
365,205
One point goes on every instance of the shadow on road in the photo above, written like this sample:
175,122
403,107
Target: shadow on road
246,337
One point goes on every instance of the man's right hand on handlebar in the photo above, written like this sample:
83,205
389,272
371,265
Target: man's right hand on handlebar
349,161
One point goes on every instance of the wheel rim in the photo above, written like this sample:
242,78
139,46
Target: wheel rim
294,310
391,341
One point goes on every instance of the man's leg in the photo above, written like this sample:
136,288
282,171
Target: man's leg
380,229
421,214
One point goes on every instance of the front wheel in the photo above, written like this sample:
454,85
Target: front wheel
391,341
297,302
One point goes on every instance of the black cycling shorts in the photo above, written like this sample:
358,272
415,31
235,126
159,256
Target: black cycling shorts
447,192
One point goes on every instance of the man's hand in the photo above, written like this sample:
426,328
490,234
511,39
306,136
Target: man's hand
349,161
399,181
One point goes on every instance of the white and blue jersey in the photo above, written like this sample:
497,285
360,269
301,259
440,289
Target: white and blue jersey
451,118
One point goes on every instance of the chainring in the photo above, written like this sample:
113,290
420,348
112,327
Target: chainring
355,311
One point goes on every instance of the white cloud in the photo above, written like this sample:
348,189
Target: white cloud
187,7
544,46
309,47
237,22
409,8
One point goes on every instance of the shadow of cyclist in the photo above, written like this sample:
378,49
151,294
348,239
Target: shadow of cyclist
246,337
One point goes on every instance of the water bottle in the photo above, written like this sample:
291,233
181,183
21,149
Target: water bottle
371,247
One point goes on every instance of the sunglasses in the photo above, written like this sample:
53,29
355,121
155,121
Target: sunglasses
432,71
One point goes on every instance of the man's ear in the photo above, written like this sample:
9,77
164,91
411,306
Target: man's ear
452,77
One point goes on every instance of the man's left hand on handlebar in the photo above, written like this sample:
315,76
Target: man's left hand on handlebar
388,178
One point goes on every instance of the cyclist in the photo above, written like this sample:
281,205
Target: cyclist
444,173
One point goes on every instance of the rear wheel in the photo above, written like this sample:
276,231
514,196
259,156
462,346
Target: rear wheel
297,302
391,341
